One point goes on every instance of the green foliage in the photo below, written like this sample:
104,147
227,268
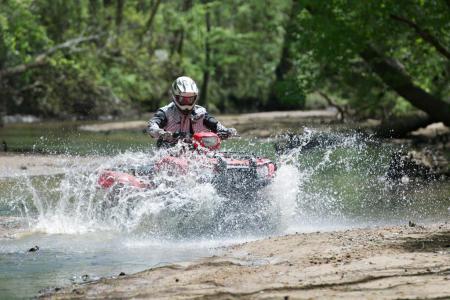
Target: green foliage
133,62
334,33
289,93
21,35
263,54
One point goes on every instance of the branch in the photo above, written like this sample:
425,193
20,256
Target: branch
41,59
149,23
425,34
400,127
390,72
333,104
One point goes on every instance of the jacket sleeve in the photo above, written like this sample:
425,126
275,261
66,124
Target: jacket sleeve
156,123
212,124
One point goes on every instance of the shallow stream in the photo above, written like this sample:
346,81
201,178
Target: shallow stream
324,183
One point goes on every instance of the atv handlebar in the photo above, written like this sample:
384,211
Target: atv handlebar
223,134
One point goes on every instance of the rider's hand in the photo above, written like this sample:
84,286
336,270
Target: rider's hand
232,131
224,134
165,135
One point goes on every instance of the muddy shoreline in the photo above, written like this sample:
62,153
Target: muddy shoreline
379,263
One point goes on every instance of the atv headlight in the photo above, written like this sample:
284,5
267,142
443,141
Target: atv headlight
262,172
210,141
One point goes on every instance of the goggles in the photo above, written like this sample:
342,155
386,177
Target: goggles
185,100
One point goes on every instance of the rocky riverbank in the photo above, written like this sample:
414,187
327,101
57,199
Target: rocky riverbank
381,263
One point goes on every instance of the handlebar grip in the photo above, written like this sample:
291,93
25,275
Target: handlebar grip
180,135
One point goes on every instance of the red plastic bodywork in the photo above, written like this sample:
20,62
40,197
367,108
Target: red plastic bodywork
109,178
180,165
198,140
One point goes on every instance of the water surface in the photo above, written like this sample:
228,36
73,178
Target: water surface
339,183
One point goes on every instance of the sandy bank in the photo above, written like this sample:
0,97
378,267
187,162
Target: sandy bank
13,164
384,263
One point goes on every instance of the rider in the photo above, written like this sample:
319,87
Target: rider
183,115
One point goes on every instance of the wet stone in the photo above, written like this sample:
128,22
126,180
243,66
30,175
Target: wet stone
77,292
34,249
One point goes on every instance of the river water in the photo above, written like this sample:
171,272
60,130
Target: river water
338,183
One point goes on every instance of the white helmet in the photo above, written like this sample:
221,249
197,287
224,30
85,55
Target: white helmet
184,93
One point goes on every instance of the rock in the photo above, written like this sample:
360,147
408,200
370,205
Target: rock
77,292
85,277
317,140
122,274
34,249
411,224
426,164
431,131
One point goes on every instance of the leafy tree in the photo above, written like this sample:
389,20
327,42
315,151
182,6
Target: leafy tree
377,53
94,57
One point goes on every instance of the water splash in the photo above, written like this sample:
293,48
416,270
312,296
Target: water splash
323,179
342,182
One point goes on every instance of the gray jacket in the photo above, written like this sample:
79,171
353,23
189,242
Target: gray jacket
171,119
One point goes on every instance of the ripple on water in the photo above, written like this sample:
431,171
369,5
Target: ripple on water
339,183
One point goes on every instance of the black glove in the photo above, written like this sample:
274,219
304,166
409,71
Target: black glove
165,135
232,131
224,134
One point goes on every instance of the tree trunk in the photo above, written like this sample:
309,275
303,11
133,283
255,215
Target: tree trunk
3,111
284,67
392,74
93,9
119,14
285,64
180,42
400,127
149,23
206,74
179,34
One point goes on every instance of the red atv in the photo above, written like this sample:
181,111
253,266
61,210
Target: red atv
232,174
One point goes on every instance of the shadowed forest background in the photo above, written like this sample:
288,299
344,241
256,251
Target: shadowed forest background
89,58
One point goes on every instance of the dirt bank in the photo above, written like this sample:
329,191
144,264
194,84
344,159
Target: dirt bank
12,164
385,263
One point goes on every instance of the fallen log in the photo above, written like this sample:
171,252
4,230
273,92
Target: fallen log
401,127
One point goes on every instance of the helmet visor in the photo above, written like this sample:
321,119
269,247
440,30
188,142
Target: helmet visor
185,100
